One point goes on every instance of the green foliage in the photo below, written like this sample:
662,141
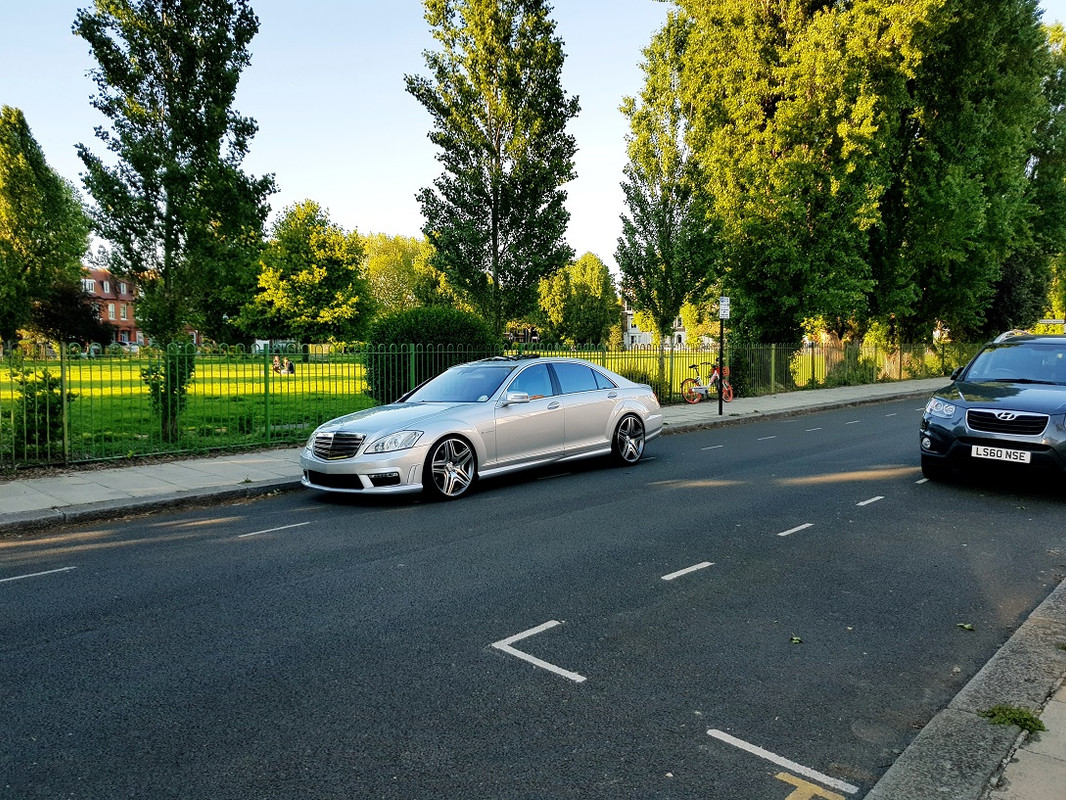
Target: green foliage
312,286
496,217
43,229
579,302
167,379
667,253
1013,715
400,274
180,217
441,336
38,412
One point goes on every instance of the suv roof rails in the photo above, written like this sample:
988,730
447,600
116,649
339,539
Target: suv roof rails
1010,335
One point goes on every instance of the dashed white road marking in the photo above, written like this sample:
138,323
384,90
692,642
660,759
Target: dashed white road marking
871,500
853,422
797,529
765,438
505,646
687,570
811,430
922,480
892,414
37,574
713,447
271,530
773,758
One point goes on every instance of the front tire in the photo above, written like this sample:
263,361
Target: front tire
627,444
688,391
450,469
727,392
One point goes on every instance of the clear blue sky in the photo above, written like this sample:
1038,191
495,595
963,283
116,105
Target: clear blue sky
335,124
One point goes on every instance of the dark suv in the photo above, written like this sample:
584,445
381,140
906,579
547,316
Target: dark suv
1007,406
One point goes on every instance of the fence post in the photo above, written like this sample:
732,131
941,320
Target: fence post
63,404
266,391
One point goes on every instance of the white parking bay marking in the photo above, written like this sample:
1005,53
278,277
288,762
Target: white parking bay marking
505,646
773,758
271,530
871,500
37,574
797,529
687,570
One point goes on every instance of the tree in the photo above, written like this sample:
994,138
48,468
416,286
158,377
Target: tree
401,274
579,302
180,217
68,314
311,283
968,206
496,216
44,231
668,250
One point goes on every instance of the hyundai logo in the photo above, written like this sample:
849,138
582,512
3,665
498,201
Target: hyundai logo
1006,416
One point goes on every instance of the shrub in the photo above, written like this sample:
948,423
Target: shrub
409,347
38,413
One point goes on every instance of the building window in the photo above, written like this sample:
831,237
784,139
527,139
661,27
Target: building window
110,310
122,311
122,288
107,287
89,284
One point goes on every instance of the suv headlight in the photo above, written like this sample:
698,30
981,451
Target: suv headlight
940,408
395,441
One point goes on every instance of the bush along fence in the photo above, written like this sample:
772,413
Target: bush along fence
76,404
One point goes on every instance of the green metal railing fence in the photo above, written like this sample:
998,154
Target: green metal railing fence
75,404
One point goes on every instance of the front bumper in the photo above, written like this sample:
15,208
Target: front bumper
388,473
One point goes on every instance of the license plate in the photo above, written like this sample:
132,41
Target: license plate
1001,454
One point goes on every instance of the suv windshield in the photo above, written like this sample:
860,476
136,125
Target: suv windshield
469,383
1020,362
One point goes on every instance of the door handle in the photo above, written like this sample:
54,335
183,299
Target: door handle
554,404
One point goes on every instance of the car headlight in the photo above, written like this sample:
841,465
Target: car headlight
940,408
395,441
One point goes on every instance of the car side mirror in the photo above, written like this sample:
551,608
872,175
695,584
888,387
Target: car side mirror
955,373
514,398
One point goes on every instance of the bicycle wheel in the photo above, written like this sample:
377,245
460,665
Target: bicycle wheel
688,390
727,392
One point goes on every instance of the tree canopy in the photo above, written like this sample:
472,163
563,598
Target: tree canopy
496,216
580,302
179,216
311,284
44,231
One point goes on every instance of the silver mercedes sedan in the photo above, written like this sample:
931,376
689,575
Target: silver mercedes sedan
480,419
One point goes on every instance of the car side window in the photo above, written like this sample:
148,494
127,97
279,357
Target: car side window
602,381
534,381
576,378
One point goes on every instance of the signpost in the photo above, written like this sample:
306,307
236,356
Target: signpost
723,315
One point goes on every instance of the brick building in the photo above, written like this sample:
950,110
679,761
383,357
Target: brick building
116,300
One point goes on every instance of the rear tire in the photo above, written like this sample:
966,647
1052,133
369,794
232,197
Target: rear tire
727,392
688,391
935,469
627,444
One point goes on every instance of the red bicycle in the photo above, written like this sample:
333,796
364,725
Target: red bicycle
694,389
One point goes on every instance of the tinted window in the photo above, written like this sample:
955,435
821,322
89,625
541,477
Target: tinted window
603,382
1020,362
534,381
576,378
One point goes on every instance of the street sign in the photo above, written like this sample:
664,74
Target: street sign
723,308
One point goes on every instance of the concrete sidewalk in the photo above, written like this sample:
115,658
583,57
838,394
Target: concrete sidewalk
959,755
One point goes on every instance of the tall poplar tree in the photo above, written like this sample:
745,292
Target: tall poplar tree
667,253
44,231
179,216
496,216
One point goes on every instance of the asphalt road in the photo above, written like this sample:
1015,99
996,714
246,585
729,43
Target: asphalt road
751,612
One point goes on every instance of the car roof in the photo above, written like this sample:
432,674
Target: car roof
1022,337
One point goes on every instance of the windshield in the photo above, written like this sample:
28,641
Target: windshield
1020,362
469,383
